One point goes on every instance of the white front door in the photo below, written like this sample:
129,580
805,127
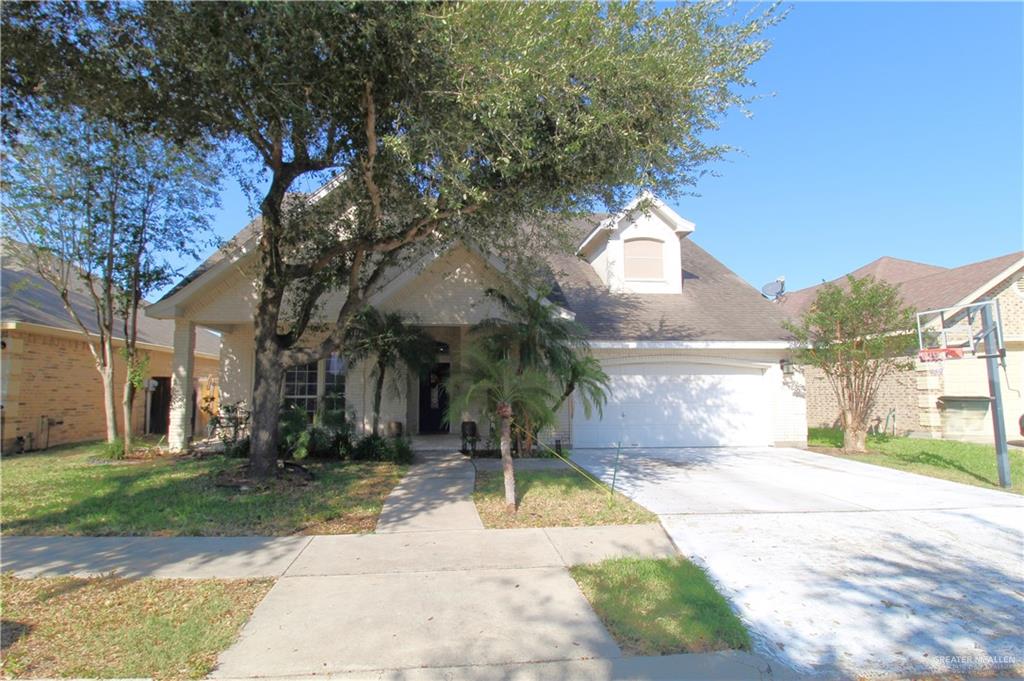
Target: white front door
675,404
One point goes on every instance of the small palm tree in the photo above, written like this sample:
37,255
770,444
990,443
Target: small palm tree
585,377
550,343
509,394
391,341
542,338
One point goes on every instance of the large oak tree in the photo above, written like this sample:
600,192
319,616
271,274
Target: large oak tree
439,121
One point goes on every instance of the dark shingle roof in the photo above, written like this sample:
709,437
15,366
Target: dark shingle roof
923,287
230,248
715,305
27,297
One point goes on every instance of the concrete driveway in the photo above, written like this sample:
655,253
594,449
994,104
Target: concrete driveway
839,566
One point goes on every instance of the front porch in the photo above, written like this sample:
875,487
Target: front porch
437,442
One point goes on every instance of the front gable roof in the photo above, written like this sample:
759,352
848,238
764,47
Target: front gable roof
646,201
715,304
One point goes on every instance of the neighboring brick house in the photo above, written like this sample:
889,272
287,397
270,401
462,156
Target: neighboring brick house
946,399
50,391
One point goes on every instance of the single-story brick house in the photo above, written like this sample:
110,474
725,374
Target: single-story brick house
697,357
50,392
944,399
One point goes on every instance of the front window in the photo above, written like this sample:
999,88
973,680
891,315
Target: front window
334,383
316,385
644,260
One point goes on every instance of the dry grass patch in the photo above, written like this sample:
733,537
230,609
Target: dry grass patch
112,627
660,606
554,499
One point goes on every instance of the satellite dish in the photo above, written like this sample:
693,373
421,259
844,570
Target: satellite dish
774,289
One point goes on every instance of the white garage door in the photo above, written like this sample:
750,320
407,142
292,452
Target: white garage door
678,405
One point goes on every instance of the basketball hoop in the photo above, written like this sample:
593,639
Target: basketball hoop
939,354
949,333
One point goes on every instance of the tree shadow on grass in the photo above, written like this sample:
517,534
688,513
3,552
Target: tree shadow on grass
11,632
938,461
181,498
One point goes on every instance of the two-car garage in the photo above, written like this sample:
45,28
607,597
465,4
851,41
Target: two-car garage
679,403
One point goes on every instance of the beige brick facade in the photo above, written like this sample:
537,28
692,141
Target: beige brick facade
921,397
52,378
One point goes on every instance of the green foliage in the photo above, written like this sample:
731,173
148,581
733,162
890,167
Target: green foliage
542,339
495,381
62,491
113,450
237,449
379,448
660,606
857,334
390,341
138,368
294,422
301,439
229,424
464,120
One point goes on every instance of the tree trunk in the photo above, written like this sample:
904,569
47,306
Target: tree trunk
107,375
378,392
109,403
266,407
127,405
506,463
855,432
855,439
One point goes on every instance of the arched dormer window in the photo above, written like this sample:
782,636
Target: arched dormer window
644,259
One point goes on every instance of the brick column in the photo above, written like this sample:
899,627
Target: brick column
179,429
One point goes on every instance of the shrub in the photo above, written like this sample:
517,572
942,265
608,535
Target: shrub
315,442
293,424
401,450
371,447
237,449
114,451
378,448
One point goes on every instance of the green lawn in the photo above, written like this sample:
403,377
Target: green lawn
660,606
67,492
970,463
554,499
109,627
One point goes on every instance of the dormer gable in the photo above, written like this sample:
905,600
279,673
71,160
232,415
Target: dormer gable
638,249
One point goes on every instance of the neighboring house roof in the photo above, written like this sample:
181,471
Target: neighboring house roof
923,287
25,297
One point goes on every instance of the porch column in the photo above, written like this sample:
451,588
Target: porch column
179,424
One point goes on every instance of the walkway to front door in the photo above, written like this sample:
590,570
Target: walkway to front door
434,593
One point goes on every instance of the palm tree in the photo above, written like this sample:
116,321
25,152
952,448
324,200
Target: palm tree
585,376
391,341
543,338
549,343
509,394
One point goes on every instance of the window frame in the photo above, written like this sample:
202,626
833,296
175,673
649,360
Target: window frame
626,258
314,402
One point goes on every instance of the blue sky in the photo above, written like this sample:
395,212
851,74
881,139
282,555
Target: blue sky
890,129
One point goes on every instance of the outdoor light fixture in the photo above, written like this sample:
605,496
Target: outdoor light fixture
786,366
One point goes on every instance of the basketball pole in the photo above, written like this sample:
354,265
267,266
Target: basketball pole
990,333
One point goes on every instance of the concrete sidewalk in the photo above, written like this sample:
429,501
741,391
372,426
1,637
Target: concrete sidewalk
241,557
437,494
431,595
